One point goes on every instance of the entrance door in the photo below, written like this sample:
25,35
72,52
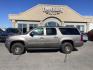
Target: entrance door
51,22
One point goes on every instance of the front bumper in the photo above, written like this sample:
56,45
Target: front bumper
7,45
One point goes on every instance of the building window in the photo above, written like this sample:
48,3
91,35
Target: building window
80,28
20,26
69,25
23,27
31,26
51,24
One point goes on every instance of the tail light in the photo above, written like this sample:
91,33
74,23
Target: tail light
81,37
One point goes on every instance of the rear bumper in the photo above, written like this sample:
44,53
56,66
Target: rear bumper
78,44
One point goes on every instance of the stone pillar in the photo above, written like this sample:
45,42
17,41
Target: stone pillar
14,23
41,23
62,23
90,26
87,27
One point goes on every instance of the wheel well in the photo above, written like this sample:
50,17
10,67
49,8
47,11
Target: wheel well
70,41
16,42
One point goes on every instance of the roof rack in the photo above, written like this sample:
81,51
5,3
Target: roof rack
57,26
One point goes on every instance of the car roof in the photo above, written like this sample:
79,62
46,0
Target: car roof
55,27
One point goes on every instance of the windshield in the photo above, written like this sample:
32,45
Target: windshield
1,30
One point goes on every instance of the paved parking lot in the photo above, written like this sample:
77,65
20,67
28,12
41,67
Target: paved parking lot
77,60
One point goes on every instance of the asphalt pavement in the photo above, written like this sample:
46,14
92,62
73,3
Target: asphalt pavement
82,59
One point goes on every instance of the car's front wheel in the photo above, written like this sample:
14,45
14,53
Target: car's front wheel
17,49
66,48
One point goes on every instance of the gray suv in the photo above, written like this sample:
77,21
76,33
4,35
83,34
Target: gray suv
63,38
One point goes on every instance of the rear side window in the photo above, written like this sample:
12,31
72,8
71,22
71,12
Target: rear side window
51,31
69,31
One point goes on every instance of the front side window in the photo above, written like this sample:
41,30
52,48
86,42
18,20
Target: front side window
51,31
38,31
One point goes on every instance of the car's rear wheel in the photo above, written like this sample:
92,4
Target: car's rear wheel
17,49
66,48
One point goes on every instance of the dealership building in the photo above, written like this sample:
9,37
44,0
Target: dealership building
51,15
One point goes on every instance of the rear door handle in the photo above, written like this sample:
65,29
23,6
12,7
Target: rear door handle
41,38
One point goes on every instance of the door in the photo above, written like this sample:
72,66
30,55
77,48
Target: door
36,38
51,38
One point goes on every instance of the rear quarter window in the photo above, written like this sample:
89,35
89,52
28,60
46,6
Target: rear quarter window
69,31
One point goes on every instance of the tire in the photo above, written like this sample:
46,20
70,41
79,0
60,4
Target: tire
66,48
17,49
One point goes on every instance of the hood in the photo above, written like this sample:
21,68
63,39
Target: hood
4,33
17,37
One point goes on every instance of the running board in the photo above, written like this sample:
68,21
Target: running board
43,48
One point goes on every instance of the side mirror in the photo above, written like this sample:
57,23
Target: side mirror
32,34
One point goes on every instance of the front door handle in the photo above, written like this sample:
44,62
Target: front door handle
55,37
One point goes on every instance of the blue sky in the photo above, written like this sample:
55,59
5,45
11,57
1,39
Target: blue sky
84,7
